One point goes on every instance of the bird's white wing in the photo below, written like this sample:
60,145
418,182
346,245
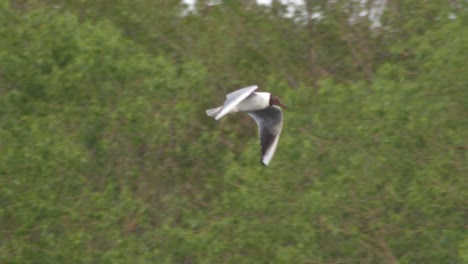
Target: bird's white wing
270,124
234,98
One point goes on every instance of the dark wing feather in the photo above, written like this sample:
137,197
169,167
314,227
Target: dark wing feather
270,124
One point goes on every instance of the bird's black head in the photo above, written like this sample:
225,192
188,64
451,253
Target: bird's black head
275,101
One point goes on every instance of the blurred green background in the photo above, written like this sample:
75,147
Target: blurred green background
107,156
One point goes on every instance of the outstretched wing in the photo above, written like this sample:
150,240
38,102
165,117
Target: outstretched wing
234,98
270,124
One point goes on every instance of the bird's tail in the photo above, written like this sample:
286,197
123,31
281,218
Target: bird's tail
213,111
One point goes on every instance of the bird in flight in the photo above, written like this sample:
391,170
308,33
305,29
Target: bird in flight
263,108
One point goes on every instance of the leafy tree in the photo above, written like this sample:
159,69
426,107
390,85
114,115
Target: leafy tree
106,154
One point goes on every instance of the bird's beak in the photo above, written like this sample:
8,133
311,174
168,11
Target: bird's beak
282,105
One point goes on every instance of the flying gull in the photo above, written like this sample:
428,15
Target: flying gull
263,108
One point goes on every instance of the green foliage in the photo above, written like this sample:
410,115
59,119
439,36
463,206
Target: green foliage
107,156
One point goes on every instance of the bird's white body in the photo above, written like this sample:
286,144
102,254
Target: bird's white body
269,118
243,100
255,101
